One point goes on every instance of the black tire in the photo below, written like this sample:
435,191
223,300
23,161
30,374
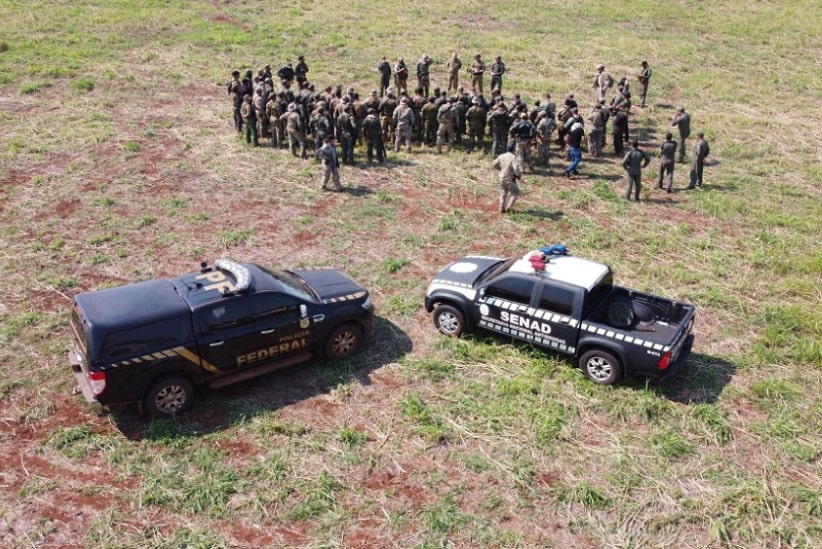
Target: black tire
601,367
343,341
449,320
169,397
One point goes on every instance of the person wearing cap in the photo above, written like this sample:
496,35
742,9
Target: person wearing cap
667,153
428,114
424,73
388,105
301,71
620,130
404,120
235,93
602,82
347,132
497,70
573,139
401,76
477,69
644,78
475,116
331,164
249,120
384,68
259,101
294,127
510,170
499,121
682,120
446,125
273,111
545,127
595,136
453,67
522,131
701,152
372,129
633,162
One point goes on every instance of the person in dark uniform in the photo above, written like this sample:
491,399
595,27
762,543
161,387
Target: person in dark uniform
667,153
701,152
644,78
682,120
300,71
384,68
634,161
497,70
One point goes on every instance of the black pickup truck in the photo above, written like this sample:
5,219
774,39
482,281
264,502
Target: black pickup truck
566,304
153,341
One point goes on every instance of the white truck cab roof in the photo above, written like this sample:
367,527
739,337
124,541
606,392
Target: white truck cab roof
564,268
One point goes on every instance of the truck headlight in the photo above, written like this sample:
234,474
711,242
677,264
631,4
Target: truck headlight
367,303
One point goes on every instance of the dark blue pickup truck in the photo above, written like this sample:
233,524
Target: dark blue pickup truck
153,341
566,304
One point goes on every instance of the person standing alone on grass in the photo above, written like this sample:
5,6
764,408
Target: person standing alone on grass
633,163
510,170
644,78
331,164
667,152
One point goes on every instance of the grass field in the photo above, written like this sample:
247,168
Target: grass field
119,163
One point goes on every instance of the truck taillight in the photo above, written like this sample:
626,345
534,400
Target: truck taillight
98,382
664,361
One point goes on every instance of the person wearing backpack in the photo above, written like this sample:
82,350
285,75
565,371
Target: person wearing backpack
701,152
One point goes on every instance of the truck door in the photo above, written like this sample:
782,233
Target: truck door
282,325
555,308
225,332
505,306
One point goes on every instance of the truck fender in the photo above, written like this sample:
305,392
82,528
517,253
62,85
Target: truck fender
589,343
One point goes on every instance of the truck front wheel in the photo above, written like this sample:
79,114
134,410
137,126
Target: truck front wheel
168,397
600,367
449,320
343,342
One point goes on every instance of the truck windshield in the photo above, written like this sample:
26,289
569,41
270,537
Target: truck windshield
292,284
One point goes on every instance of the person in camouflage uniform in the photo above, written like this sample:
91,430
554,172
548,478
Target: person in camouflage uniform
429,121
476,117
347,131
331,164
250,120
602,82
373,136
499,122
424,73
597,131
388,105
321,125
235,93
259,112
453,67
447,125
522,132
401,77
294,127
510,170
545,127
404,123
477,69
273,111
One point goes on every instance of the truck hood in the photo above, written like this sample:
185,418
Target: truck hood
465,272
331,285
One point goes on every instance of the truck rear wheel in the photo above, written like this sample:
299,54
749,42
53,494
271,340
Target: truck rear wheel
168,397
601,367
449,320
343,342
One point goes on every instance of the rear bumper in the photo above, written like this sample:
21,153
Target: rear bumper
684,353
83,385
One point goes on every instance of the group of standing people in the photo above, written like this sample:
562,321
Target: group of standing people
294,114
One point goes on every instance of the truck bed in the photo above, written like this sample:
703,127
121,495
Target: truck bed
656,318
